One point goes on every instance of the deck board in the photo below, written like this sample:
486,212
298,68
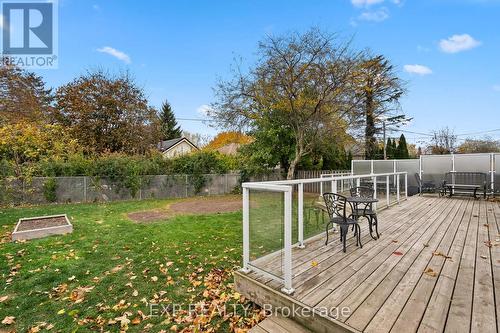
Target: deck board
384,285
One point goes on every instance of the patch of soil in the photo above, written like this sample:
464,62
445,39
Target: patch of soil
148,215
44,222
202,205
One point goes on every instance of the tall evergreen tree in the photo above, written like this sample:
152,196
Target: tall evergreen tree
402,149
168,124
390,148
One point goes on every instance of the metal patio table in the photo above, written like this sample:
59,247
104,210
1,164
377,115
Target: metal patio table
365,211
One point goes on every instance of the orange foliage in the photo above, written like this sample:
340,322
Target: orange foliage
225,138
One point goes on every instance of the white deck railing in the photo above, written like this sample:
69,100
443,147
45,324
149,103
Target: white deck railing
286,188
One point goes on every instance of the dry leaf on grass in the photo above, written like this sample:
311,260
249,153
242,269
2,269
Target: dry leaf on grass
9,320
3,298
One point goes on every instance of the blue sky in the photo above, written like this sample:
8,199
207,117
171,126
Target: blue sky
448,51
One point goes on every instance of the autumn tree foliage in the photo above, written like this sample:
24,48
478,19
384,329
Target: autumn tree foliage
301,84
107,113
23,96
225,138
26,142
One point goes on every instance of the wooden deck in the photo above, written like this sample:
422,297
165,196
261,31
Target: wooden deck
435,268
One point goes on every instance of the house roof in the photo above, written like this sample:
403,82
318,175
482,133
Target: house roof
167,144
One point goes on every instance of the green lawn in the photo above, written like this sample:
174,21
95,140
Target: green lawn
103,276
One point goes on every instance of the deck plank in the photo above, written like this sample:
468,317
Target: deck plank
460,312
329,282
413,262
483,304
391,293
411,315
436,312
382,265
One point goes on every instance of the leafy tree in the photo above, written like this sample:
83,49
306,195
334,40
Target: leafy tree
107,113
225,138
378,92
24,143
168,124
402,149
23,96
485,145
300,85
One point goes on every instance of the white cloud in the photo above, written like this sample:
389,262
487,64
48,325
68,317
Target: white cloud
203,109
374,16
417,69
365,3
496,87
458,43
115,53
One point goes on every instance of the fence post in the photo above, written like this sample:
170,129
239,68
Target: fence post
246,230
85,189
288,289
300,207
186,186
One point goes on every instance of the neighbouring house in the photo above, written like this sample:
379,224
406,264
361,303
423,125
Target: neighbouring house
176,147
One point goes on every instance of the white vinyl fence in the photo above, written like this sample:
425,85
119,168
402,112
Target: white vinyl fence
432,168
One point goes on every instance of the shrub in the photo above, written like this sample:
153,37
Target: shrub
49,190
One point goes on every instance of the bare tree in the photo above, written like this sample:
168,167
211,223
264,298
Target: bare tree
443,141
301,83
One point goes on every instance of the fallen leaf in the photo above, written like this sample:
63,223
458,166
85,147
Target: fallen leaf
71,278
429,271
4,298
154,278
395,241
440,254
397,253
9,320
314,263
484,257
60,312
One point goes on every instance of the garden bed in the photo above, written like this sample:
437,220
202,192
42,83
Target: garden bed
41,226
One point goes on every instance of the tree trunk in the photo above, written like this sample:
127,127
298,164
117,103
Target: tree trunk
370,142
298,155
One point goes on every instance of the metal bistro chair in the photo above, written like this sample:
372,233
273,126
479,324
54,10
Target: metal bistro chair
336,205
367,208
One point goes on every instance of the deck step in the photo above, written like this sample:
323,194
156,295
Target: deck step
279,324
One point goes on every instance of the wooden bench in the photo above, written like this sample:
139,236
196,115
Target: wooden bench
465,183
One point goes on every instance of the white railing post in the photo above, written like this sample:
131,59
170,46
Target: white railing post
406,185
358,182
387,191
246,230
321,188
374,179
288,289
300,208
334,186
397,187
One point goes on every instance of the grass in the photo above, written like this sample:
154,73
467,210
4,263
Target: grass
179,261
106,274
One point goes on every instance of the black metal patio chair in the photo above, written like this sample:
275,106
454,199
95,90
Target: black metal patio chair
365,209
427,187
336,205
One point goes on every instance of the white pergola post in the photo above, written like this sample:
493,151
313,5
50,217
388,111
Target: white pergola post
300,207
288,289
